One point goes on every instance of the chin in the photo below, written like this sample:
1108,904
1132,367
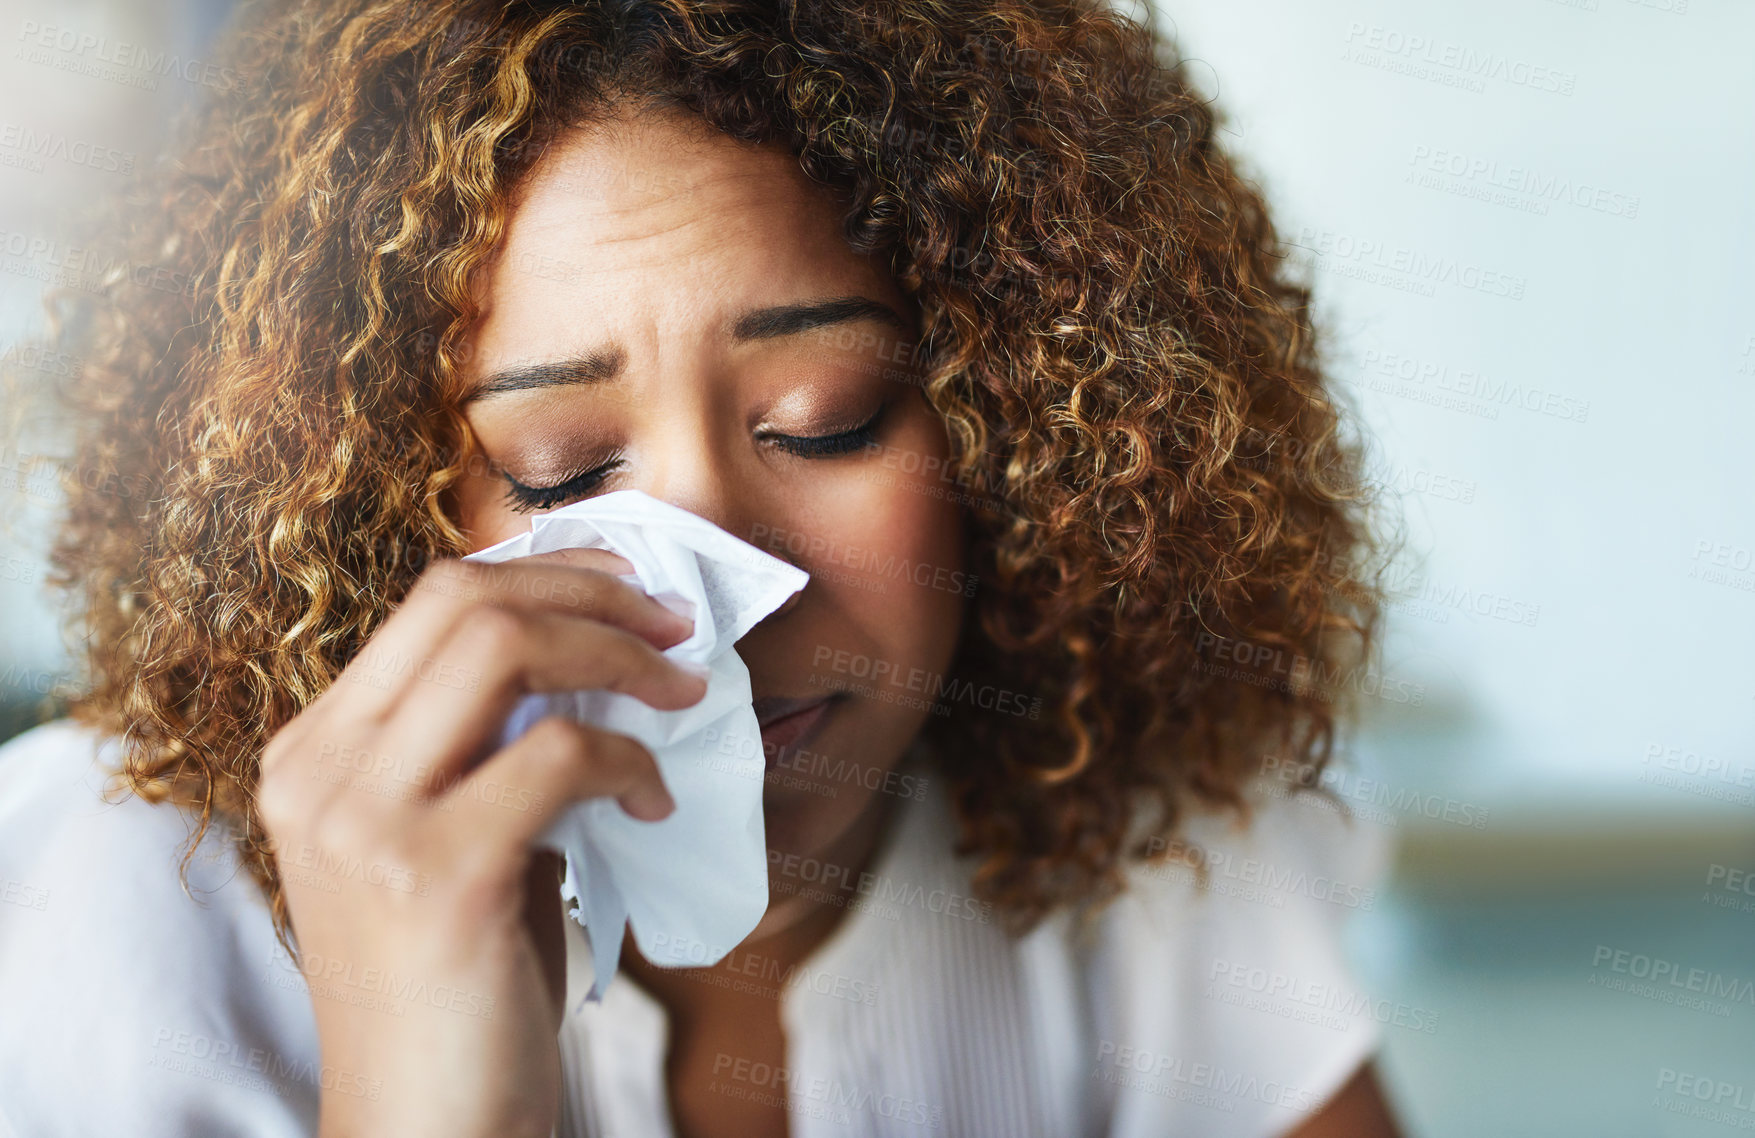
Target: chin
811,799
805,819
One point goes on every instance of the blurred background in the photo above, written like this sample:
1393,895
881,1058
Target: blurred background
1529,226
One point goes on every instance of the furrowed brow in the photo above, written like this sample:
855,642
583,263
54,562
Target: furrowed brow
593,367
790,319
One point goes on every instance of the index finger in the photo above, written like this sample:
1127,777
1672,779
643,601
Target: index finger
606,560
577,582
551,583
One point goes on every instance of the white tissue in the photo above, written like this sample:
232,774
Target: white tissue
699,876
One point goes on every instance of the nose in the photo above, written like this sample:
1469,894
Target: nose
698,482
741,513
724,507
696,459
685,465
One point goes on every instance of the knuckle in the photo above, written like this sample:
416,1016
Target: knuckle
283,798
489,631
662,666
446,569
445,577
562,749
635,661
272,760
658,671
597,588
282,744
282,804
478,878
624,759
564,738
638,758
344,827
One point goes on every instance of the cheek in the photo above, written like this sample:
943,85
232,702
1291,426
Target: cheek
481,510
894,553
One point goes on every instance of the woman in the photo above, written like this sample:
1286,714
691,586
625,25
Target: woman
965,289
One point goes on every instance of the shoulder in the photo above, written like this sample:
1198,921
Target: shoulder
73,838
1213,997
136,999
1221,978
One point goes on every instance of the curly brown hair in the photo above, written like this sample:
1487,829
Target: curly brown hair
268,429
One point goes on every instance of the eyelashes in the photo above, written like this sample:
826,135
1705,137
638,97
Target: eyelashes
524,498
841,442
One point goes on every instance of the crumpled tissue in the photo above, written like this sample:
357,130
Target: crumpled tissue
699,876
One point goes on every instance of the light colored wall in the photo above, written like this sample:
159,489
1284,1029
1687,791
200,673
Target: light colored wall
88,88
1530,224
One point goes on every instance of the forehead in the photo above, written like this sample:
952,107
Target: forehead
664,185
654,218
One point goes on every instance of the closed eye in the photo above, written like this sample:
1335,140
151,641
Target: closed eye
841,442
524,498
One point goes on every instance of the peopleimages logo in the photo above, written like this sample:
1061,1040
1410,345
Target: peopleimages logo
42,146
1267,665
1540,187
1359,789
878,563
942,689
1168,1075
1254,871
1423,56
838,1099
1476,392
1718,1092
222,1060
88,53
730,966
75,266
1666,979
390,990
1422,271
1297,992
879,888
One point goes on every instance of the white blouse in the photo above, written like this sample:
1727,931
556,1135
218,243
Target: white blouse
129,1007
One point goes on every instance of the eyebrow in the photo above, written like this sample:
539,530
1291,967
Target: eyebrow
790,319
768,323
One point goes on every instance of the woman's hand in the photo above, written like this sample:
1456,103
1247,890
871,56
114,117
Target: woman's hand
428,926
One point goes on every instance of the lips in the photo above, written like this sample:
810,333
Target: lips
789,723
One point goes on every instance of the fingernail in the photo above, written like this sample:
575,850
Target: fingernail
681,606
700,671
